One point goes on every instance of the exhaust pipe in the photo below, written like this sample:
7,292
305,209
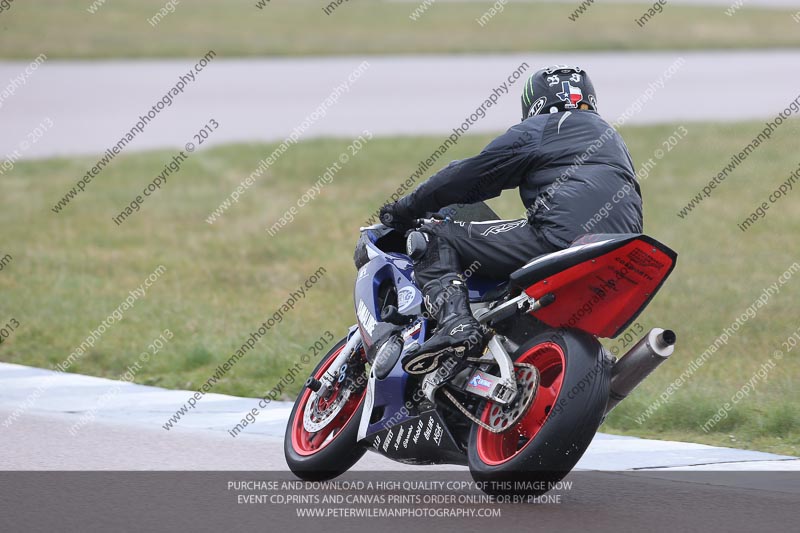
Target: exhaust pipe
633,367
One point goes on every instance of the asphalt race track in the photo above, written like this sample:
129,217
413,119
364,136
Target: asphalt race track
621,484
126,428
394,95
622,502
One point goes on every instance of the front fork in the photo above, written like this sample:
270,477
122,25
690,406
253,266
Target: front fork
332,374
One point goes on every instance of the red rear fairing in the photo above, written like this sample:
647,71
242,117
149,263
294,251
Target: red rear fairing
600,288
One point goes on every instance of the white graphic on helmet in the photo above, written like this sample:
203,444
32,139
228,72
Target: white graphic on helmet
552,80
570,95
575,78
537,106
556,68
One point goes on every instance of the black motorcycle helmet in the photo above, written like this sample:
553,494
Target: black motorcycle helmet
558,88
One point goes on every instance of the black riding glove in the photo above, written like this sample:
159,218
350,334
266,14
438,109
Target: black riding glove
394,216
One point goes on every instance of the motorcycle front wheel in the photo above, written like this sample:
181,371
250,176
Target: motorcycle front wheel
331,450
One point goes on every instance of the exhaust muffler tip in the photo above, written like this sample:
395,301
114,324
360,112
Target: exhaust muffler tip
659,343
636,364
668,337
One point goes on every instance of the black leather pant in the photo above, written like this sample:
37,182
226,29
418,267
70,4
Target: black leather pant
493,249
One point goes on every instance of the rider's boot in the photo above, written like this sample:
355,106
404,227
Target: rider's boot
457,335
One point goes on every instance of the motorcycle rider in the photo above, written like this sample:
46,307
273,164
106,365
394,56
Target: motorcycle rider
567,162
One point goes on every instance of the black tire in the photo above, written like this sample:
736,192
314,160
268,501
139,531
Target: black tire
341,453
568,428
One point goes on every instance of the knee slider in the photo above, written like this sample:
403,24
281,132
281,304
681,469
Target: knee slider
417,244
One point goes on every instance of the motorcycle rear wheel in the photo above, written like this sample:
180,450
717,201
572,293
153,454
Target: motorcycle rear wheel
547,442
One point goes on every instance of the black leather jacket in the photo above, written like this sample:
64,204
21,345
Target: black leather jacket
573,171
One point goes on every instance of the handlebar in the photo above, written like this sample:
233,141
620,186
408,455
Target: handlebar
387,217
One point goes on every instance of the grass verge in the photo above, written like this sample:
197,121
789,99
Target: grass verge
120,28
69,271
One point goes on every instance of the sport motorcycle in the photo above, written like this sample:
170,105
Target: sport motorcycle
527,408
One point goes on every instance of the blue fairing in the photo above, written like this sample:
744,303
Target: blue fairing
478,286
390,398
390,393
384,268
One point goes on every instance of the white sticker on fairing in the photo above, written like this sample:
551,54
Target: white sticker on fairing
428,429
413,331
418,431
399,439
437,434
368,322
408,436
366,413
404,297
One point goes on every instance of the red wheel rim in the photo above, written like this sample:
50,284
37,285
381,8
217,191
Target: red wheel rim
498,448
305,443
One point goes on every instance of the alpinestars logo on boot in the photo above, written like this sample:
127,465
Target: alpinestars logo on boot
459,328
